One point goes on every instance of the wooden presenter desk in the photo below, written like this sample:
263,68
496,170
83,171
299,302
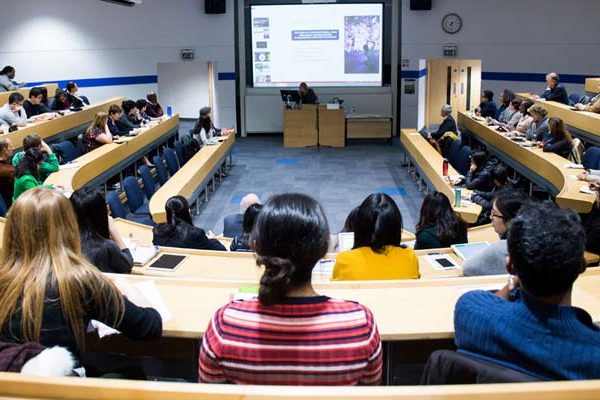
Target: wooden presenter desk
300,126
368,126
331,127
52,87
592,85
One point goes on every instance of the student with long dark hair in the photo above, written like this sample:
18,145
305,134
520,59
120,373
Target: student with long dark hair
377,253
27,172
486,198
49,291
204,129
242,242
50,162
101,242
479,176
61,101
179,230
439,226
336,343
492,261
561,142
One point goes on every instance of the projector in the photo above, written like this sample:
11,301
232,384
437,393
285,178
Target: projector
127,3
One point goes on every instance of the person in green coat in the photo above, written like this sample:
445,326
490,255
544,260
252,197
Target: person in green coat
27,172
50,162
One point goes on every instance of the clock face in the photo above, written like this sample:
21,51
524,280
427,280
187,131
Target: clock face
452,23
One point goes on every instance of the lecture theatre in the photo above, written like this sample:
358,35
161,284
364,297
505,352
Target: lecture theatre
299,199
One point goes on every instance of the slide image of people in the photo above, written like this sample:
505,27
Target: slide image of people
361,44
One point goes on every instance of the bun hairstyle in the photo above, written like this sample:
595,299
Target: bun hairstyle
378,223
290,235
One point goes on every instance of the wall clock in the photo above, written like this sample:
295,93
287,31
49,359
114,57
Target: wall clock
451,23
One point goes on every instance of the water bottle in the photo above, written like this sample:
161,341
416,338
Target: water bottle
445,167
457,196
169,111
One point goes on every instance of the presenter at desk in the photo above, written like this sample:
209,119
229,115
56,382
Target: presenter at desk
307,96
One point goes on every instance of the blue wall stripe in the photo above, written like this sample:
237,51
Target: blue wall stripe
226,76
114,81
531,77
404,74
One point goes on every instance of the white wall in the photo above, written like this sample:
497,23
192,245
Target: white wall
528,36
75,39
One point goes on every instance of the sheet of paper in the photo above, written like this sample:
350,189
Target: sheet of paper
143,254
324,267
103,329
345,240
571,165
70,165
150,291
586,189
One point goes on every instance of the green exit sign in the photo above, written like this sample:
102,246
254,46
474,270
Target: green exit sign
187,54
450,51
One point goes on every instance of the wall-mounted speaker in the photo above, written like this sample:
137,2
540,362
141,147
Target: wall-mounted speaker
420,4
214,6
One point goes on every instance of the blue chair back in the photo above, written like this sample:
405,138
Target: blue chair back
80,144
3,207
454,152
117,210
180,153
148,181
464,160
69,151
161,170
171,160
135,198
591,158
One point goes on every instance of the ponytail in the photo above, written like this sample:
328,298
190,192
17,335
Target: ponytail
277,279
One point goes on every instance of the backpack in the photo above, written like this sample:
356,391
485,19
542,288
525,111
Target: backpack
190,147
576,151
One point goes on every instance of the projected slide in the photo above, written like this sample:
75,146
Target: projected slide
321,44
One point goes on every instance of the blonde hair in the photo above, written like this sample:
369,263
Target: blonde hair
538,110
41,250
99,121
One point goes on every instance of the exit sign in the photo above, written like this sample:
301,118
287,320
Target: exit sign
187,54
450,50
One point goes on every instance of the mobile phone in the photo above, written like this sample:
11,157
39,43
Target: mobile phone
445,262
167,262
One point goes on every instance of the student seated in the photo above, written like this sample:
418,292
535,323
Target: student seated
233,225
34,107
27,172
377,253
561,142
179,230
242,242
50,161
336,343
98,132
61,101
7,171
114,115
76,100
487,107
142,105
486,198
539,129
7,82
13,113
554,90
205,131
492,261
448,125
153,109
349,224
591,223
49,291
101,243
479,176
530,324
525,120
439,226
129,120
592,105
505,112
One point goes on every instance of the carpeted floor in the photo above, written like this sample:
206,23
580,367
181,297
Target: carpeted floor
338,178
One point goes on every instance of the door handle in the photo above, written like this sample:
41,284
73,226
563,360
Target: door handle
454,90
462,88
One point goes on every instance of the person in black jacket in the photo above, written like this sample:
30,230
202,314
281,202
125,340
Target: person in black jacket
101,243
49,291
486,198
554,90
179,230
487,107
34,106
447,125
439,226
307,95
479,176
561,142
591,223
76,100
242,242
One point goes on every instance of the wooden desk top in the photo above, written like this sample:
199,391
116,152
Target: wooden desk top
96,162
592,85
586,121
189,177
52,87
549,166
430,161
47,129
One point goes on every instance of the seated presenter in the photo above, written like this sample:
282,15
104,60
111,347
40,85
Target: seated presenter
307,95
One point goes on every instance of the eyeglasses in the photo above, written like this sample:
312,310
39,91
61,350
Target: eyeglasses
494,215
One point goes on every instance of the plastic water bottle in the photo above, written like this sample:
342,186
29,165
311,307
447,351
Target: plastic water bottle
169,111
457,196
445,167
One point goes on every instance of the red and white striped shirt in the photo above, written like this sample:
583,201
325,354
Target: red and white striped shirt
302,341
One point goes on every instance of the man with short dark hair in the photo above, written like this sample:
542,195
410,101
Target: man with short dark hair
487,107
12,113
34,106
76,100
554,90
530,325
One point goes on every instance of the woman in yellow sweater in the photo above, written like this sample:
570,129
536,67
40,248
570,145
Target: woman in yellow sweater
377,253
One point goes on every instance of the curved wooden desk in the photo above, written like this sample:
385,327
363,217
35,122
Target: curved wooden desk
549,167
52,87
105,161
191,177
64,127
429,163
592,85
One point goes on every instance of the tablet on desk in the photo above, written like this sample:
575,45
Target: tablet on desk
468,250
167,262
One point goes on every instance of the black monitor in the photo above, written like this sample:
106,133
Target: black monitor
290,96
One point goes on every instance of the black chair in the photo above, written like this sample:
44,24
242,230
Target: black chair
447,367
69,151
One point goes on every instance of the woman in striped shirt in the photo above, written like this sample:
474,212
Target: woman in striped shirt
290,335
